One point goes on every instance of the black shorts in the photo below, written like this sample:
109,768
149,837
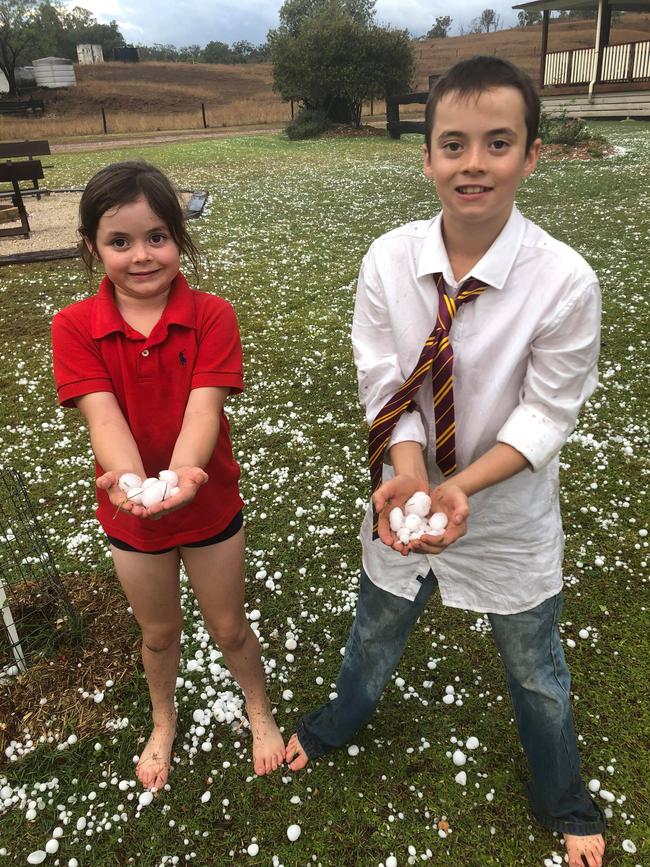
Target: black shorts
233,527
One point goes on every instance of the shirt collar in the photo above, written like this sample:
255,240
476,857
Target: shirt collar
493,268
107,317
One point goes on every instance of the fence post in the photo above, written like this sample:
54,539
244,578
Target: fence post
372,107
205,123
291,108
104,121
392,116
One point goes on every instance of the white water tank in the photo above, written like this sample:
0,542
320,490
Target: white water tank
54,72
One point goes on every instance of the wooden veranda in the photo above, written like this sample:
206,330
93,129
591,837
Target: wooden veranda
608,80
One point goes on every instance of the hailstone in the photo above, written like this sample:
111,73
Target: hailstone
438,522
293,832
129,480
168,476
419,504
153,494
413,522
396,519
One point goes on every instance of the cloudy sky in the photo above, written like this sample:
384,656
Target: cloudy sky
187,22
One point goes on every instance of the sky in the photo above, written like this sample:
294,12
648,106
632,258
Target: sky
188,22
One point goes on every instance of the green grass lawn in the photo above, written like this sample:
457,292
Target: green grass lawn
282,238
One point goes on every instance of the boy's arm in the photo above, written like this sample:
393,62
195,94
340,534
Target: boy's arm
195,444
377,358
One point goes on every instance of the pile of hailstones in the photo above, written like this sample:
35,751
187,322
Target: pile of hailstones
412,523
146,493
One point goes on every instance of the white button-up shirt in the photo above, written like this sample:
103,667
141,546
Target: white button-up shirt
525,354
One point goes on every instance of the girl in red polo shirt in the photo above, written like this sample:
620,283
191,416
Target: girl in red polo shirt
150,364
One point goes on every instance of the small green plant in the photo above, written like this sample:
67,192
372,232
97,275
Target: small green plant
562,129
307,124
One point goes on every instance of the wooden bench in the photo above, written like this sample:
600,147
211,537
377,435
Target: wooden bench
23,106
12,149
13,173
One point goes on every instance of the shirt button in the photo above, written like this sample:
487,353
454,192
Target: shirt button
145,353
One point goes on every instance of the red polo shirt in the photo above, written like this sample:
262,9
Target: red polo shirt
194,344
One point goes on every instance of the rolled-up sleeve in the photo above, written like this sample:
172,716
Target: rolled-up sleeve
376,356
79,368
560,376
219,358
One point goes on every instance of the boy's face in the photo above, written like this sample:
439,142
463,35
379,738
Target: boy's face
477,156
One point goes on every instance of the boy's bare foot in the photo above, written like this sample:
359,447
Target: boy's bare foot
153,768
585,851
296,757
268,746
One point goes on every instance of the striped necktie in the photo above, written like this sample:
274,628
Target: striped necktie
437,356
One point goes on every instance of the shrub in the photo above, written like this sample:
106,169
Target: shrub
307,124
561,129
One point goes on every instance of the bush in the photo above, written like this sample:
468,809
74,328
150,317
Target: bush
561,129
307,124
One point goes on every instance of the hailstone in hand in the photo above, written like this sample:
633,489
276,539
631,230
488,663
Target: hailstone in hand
128,481
412,524
438,522
419,504
396,519
153,494
168,476
150,491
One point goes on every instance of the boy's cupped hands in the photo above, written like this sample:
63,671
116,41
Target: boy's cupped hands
447,497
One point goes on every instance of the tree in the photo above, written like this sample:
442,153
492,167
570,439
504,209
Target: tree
18,34
293,13
242,51
440,28
190,54
486,21
334,59
528,17
217,52
158,51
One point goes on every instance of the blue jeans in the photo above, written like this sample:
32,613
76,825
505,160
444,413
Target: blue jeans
538,680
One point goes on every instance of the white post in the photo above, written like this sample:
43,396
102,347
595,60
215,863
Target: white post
599,27
11,629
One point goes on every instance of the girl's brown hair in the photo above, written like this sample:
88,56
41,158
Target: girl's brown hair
121,183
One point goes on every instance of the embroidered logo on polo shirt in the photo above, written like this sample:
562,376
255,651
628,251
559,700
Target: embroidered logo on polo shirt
182,359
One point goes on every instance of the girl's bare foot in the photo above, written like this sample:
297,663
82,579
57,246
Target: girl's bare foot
585,851
268,746
296,757
153,768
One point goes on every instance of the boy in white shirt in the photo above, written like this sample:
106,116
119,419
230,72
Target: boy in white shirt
484,443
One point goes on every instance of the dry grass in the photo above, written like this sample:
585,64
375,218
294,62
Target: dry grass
109,651
245,112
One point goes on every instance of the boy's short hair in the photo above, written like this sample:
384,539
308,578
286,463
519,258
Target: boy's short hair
476,75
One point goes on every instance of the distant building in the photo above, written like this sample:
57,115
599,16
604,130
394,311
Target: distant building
127,54
4,84
54,72
87,54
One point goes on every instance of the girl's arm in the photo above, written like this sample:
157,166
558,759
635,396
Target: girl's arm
195,444
113,445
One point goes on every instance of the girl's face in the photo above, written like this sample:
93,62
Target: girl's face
137,251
